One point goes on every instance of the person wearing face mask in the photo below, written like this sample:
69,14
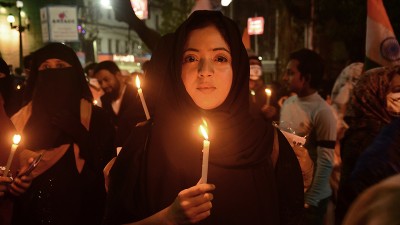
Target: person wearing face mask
74,137
374,105
156,178
343,90
259,108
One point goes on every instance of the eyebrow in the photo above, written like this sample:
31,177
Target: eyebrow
214,49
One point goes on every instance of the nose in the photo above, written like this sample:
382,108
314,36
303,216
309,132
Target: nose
206,68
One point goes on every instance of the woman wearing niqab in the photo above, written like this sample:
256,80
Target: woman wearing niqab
74,137
165,157
374,105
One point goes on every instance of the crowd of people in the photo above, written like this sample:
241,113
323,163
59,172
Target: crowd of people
102,160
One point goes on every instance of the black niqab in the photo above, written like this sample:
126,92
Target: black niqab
53,91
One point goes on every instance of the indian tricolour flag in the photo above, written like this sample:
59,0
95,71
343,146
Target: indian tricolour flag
382,47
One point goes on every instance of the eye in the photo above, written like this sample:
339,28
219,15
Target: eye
221,59
62,65
44,66
189,59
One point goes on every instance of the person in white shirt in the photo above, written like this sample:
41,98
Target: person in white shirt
120,100
309,115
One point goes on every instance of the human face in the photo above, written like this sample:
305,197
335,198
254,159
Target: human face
109,83
292,77
53,64
206,67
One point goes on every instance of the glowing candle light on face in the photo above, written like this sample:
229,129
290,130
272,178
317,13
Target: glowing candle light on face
146,111
268,92
14,146
206,151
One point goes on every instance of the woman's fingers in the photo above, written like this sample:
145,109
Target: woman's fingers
196,190
4,182
20,185
192,204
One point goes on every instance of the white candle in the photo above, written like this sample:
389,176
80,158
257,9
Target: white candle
146,111
268,92
206,151
14,146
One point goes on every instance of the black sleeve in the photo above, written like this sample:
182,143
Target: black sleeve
289,183
101,138
126,195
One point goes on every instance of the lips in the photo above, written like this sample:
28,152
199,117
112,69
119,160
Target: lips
206,89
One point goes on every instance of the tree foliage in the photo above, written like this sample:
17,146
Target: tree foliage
173,13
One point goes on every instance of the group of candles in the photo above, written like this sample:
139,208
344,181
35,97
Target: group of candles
203,130
17,138
267,91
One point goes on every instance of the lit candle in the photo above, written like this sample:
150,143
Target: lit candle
95,102
253,95
268,92
206,151
14,146
146,111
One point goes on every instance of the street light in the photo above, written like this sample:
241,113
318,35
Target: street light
19,28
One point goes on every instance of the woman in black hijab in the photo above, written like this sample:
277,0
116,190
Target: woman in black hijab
74,137
155,179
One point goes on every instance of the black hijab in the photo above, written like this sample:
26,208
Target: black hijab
5,82
53,91
237,141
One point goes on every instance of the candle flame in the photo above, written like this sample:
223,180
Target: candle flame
16,139
252,92
204,122
203,131
268,91
137,81
94,102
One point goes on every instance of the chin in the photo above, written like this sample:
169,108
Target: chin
207,105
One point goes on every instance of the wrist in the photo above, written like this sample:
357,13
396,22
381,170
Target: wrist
166,216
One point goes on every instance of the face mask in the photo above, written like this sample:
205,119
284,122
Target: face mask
393,104
343,96
255,72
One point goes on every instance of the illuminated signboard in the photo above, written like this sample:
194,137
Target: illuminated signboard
255,25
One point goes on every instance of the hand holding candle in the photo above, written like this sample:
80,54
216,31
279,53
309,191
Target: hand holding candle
146,111
268,92
14,146
206,150
253,95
